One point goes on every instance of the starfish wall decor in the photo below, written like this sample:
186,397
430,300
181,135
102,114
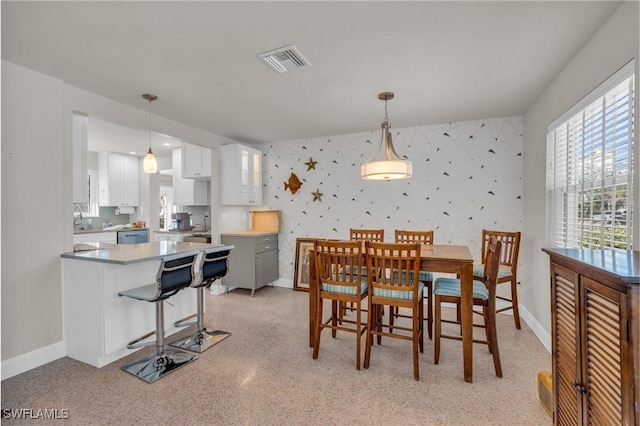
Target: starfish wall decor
317,195
311,164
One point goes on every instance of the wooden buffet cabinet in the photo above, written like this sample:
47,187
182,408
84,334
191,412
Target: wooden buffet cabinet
595,333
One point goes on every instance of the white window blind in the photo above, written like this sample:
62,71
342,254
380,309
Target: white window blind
591,148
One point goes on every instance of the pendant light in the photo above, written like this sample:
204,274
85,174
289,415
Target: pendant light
150,164
386,164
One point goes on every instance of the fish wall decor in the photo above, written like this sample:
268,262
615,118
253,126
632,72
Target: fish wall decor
293,184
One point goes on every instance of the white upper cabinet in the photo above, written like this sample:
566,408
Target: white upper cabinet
79,142
196,162
118,179
241,175
187,192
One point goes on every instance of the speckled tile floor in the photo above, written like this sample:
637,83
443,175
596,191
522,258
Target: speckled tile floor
264,375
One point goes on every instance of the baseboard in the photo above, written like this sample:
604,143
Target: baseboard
30,360
537,329
283,282
217,288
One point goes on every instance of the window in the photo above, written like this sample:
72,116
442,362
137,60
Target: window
591,168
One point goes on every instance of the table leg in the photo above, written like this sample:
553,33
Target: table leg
466,290
313,300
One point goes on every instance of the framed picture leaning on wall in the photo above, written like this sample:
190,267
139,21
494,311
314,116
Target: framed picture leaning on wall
301,268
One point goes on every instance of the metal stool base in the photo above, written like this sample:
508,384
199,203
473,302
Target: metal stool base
200,341
156,366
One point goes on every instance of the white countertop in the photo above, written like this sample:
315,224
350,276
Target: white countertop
124,254
249,233
112,229
183,232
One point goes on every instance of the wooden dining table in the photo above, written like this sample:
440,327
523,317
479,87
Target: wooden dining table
433,258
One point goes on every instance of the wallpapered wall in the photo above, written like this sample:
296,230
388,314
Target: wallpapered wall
466,176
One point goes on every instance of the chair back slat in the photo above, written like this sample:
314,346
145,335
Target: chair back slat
366,234
422,237
510,246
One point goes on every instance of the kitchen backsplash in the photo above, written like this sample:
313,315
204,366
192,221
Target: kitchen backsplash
199,215
107,215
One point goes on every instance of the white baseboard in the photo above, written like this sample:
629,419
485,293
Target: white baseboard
217,288
283,282
30,360
536,327
525,315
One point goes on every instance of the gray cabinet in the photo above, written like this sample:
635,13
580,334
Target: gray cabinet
254,260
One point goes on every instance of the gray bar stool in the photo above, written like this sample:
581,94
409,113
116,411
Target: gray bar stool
175,273
214,264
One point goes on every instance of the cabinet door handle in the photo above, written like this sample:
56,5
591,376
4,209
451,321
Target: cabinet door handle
578,386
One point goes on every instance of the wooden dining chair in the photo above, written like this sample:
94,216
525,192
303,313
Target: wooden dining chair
358,234
339,270
507,272
421,237
390,268
447,290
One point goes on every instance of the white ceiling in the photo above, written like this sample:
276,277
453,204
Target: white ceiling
445,61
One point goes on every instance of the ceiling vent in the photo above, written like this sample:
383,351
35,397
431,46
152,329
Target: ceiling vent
284,59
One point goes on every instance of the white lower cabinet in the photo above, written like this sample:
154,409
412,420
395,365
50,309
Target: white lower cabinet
96,237
163,236
98,323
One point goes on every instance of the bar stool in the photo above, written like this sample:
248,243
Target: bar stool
214,264
175,273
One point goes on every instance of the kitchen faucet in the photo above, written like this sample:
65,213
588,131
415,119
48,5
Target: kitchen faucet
77,215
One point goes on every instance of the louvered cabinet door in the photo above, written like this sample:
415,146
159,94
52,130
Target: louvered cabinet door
566,338
606,379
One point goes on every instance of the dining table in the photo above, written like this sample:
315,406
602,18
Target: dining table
445,258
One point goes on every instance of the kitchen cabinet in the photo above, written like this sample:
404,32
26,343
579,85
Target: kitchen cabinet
241,175
187,192
171,236
118,176
196,162
254,260
79,142
595,328
96,237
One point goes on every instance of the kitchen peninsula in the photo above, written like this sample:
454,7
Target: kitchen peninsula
97,323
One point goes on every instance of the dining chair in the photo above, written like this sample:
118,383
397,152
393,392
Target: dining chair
421,237
447,290
391,269
358,234
339,271
507,272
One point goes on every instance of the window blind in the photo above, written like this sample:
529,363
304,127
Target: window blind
591,146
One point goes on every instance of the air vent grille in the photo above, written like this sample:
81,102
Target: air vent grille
284,59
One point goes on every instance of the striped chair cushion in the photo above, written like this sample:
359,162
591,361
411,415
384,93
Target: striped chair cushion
503,271
451,287
423,276
346,289
398,294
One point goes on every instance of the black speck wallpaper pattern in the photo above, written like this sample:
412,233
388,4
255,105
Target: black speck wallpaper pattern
466,176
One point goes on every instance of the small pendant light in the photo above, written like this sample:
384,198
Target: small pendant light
150,164
386,164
